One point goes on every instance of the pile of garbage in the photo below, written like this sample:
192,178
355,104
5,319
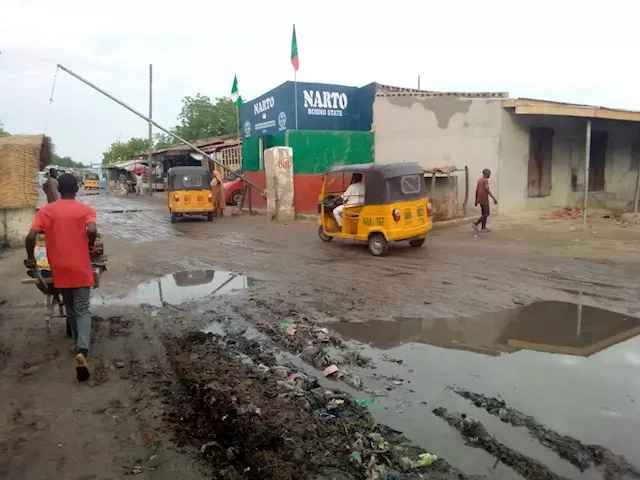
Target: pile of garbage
270,421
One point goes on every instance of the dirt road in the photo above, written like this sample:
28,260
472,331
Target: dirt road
540,315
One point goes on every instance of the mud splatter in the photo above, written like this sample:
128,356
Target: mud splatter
581,455
477,436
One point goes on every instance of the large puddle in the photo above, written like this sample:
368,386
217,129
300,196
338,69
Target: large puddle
572,367
552,327
180,287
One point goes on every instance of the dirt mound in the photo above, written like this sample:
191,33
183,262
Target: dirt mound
267,422
477,436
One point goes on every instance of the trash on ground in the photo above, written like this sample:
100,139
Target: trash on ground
330,370
364,401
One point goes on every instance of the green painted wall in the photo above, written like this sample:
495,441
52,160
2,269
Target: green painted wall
314,151
250,155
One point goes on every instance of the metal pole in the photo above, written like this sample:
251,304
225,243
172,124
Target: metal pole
418,82
295,93
587,159
157,125
635,203
150,159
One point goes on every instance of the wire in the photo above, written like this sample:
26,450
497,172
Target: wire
53,88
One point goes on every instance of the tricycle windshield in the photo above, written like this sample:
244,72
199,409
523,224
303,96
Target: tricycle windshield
191,180
337,182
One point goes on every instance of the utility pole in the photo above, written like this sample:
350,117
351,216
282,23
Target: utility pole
150,160
418,82
160,127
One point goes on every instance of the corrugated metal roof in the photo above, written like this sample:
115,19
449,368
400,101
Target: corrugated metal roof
205,144
536,101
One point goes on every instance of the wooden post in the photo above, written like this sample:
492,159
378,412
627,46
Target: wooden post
587,160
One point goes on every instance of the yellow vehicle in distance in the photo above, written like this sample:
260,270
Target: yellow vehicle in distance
189,192
91,181
395,206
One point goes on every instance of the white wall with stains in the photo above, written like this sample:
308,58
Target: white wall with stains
441,131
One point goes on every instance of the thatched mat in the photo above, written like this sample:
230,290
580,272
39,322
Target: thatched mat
21,158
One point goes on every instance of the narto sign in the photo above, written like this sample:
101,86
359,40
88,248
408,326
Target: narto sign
319,102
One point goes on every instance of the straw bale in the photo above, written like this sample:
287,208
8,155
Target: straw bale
21,158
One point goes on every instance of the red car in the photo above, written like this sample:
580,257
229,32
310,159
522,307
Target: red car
233,188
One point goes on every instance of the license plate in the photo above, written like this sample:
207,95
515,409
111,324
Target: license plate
200,199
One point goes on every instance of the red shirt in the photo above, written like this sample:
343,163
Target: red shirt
64,223
482,191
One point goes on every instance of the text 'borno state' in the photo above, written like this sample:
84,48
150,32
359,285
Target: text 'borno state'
325,103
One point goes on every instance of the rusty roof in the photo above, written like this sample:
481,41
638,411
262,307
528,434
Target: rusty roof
206,144
391,91
532,106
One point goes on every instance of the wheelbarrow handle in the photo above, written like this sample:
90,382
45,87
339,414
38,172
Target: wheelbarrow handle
38,275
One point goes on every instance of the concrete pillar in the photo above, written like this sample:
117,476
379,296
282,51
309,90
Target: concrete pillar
278,169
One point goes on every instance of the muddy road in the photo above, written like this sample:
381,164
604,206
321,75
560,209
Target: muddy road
536,322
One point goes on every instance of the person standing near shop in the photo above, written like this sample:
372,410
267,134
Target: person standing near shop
70,233
50,186
482,198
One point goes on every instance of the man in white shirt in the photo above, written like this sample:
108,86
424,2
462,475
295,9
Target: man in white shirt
353,196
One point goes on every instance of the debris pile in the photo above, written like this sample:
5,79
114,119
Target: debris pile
270,421
477,436
566,213
581,455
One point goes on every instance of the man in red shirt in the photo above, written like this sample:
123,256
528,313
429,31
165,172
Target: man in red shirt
482,198
70,231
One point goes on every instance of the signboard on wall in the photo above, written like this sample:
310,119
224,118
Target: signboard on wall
320,107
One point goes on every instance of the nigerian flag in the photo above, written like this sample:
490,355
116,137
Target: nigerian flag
235,93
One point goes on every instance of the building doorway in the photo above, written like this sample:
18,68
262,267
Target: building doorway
540,154
597,161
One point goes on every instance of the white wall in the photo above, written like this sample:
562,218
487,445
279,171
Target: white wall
15,224
437,132
568,159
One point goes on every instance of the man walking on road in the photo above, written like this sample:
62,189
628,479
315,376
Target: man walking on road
50,187
482,198
70,232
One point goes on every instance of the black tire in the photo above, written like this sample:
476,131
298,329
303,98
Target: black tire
210,216
418,242
174,218
323,236
378,245
236,197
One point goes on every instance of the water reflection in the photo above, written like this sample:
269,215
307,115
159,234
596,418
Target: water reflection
553,327
181,287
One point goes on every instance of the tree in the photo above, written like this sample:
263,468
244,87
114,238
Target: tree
119,151
66,162
2,130
200,118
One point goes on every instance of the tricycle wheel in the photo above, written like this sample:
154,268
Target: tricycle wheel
174,218
210,216
378,245
418,242
323,236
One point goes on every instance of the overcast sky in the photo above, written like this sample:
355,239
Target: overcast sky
567,50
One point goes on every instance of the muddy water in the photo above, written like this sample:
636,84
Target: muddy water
572,367
179,288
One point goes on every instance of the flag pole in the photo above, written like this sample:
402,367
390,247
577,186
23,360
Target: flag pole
295,93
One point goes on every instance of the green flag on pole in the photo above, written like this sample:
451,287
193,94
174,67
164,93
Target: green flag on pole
239,101
235,93
294,50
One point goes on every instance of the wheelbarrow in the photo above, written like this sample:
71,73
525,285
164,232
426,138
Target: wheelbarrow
54,296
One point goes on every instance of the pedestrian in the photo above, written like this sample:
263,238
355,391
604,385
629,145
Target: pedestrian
50,187
482,198
70,233
218,197
139,181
